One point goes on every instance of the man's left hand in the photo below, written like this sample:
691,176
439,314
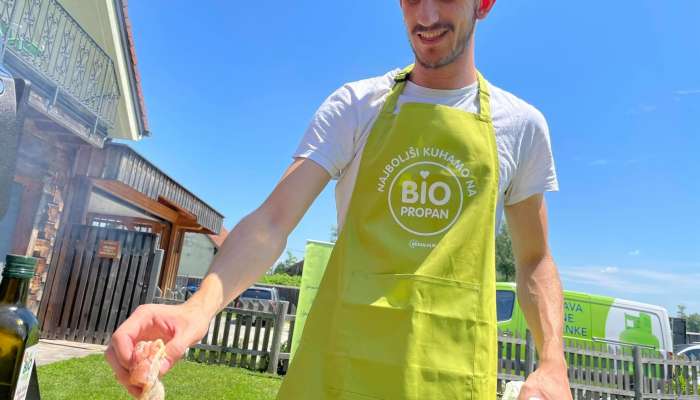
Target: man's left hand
548,382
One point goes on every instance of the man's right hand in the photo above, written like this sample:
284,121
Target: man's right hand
178,325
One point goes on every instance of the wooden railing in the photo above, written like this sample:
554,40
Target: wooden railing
605,371
44,38
249,334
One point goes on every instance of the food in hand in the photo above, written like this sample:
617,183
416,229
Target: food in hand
145,367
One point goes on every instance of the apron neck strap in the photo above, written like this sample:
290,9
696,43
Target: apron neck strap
400,83
484,98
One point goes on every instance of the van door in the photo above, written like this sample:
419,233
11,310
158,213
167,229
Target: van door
577,316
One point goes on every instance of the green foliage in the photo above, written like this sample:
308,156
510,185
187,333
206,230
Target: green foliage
281,279
334,233
91,378
692,320
505,261
285,266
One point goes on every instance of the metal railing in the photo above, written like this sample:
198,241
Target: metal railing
44,36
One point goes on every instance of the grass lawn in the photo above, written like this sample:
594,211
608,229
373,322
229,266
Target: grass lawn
91,378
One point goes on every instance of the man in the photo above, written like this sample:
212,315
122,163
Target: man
427,158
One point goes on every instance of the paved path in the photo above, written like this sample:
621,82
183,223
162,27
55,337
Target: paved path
58,350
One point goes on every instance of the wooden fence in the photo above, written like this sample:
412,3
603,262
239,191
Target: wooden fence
249,334
605,371
88,294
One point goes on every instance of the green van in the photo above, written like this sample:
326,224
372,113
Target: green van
595,319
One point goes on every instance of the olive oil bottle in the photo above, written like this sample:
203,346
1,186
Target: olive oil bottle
19,328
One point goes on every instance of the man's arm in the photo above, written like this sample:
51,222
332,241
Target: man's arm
248,251
259,238
540,296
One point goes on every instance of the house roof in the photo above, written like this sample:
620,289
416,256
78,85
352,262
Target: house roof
219,239
134,67
125,165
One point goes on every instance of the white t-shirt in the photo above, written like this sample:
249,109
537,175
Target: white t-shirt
338,132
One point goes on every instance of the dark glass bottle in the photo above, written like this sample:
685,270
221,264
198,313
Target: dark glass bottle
19,328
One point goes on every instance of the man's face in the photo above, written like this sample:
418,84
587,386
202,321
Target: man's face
439,30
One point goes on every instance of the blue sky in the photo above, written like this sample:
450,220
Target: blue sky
231,86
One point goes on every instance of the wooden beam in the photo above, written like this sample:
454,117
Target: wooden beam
187,221
29,204
184,213
171,262
136,198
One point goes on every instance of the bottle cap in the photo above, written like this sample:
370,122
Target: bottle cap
19,267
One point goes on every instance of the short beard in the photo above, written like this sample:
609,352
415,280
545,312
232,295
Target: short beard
449,59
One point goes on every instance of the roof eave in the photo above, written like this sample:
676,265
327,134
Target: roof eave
129,50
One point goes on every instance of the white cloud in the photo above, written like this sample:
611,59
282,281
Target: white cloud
642,109
632,280
663,287
608,278
687,92
634,252
599,162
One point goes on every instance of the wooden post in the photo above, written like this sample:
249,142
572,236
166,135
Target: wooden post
155,274
529,354
280,313
638,374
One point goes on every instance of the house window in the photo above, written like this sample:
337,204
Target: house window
126,223
107,222
143,228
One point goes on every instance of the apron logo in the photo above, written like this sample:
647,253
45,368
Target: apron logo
425,198
426,188
410,195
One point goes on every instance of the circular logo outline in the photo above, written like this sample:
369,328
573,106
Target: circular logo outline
461,198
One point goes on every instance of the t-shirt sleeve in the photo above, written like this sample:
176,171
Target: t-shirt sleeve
329,139
535,172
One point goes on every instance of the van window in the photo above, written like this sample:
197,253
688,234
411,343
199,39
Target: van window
259,294
636,325
505,300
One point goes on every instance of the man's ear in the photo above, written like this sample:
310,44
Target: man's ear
484,8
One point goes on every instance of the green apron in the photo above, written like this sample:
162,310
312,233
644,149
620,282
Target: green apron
406,308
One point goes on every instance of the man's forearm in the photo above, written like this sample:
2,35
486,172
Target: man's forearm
541,299
248,251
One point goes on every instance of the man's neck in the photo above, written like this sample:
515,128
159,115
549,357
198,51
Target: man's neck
458,74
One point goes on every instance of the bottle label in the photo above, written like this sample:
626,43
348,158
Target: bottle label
25,372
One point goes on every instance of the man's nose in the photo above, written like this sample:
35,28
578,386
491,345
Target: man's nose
428,13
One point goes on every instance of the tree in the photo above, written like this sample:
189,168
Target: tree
285,266
681,311
505,262
334,233
692,321
693,324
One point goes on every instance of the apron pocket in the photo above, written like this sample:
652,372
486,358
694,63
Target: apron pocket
405,334
413,293
338,394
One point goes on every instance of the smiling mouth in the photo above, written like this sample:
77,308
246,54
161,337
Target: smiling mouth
432,36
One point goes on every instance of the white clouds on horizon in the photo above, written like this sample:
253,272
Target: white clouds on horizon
687,92
632,280
599,162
